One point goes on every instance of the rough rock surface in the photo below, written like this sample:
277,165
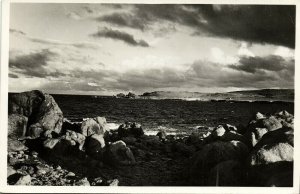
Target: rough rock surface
94,126
130,129
17,125
40,109
119,154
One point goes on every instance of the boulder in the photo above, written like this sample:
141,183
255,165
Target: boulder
259,127
38,107
24,180
78,138
92,126
130,129
83,182
118,153
129,140
73,126
50,143
162,135
279,174
229,127
94,146
227,173
17,125
218,131
275,146
15,145
212,154
10,171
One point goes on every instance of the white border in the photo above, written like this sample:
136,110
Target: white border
81,189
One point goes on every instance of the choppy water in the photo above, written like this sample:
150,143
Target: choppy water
174,115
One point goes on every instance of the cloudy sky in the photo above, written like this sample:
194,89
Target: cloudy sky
109,48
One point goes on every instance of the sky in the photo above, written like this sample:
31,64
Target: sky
104,49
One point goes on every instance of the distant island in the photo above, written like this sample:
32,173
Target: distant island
286,95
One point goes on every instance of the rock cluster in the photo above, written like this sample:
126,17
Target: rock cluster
46,149
262,156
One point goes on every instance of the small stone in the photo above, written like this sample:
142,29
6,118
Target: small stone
71,174
58,168
21,152
34,154
83,182
114,182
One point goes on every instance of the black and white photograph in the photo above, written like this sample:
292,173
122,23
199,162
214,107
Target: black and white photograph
141,94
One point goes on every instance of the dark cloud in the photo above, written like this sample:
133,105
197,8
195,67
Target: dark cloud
34,64
14,31
124,19
269,63
119,35
203,74
274,24
11,75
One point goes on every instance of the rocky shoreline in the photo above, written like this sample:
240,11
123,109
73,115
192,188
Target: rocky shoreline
44,148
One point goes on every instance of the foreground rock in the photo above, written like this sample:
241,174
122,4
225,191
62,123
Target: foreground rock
211,155
41,111
119,154
94,126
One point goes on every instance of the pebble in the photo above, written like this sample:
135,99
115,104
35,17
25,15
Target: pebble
71,174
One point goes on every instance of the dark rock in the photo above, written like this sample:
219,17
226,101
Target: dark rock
227,173
130,129
73,126
129,140
162,135
94,126
279,174
118,153
212,154
94,146
24,180
17,125
183,149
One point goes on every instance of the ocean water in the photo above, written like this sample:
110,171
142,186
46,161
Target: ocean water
175,116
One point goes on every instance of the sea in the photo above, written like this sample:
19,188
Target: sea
172,115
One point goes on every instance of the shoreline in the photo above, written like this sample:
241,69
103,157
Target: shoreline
46,149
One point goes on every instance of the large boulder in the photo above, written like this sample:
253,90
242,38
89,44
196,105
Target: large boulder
94,146
227,173
275,146
118,153
211,155
271,161
17,125
261,125
92,126
130,129
39,108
